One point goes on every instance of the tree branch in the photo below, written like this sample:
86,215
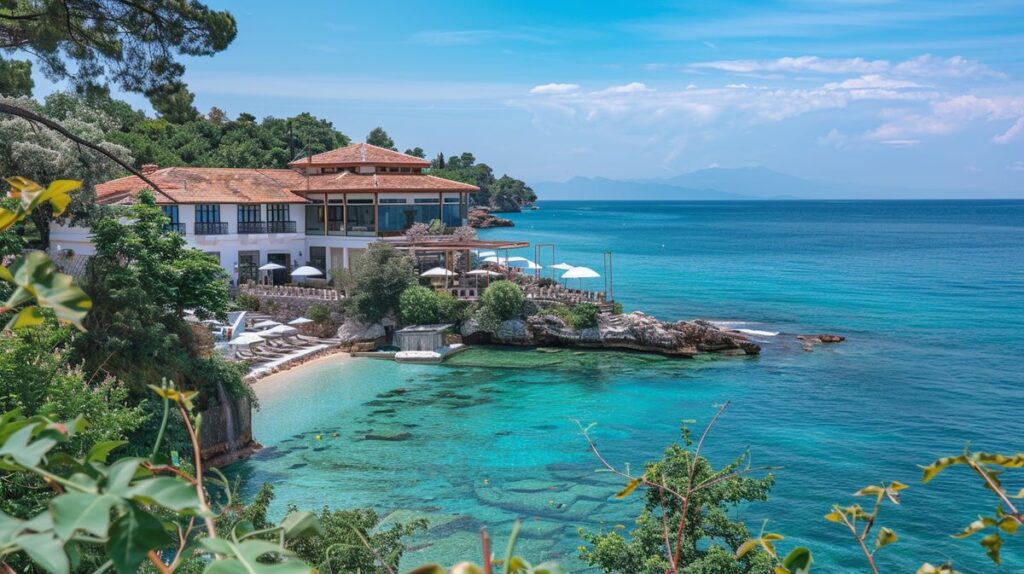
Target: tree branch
34,117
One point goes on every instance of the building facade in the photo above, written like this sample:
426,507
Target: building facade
323,211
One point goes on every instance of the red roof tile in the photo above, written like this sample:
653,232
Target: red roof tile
383,182
206,185
245,185
360,154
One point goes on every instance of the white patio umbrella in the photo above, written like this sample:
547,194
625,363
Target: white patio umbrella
306,271
580,273
271,267
563,266
484,272
487,254
265,324
300,321
437,272
246,339
280,330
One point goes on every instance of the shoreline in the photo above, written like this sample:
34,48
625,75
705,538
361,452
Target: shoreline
259,381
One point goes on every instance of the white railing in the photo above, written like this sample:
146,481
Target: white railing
290,292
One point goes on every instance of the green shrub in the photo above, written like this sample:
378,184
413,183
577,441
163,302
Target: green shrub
584,316
450,309
376,281
419,305
617,308
505,299
486,319
319,313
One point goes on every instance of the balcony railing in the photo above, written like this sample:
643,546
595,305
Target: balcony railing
252,227
219,228
175,227
280,227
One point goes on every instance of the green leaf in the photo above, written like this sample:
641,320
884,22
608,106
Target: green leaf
28,317
100,450
978,525
886,536
132,536
7,219
746,547
941,464
798,561
22,451
300,524
46,551
120,475
992,543
37,277
170,493
81,511
629,488
834,516
869,490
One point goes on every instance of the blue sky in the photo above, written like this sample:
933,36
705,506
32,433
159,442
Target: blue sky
916,94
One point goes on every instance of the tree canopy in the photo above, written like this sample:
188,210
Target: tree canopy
380,138
134,44
141,281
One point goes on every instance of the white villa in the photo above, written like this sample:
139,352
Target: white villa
322,212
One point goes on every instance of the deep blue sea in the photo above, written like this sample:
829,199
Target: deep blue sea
930,296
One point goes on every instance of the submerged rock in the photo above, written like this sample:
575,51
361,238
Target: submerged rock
634,331
809,341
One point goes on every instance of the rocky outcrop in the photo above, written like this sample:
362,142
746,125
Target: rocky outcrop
358,336
506,204
634,331
809,341
482,218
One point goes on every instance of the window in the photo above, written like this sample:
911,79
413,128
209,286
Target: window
248,213
314,218
390,200
277,212
170,212
431,200
208,213
318,258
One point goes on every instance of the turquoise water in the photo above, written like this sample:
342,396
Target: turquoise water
929,294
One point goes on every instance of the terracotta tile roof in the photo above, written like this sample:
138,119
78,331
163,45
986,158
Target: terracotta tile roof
360,154
389,182
206,185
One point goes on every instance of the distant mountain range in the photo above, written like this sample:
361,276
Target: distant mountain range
744,183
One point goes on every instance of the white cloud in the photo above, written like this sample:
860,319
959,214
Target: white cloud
1011,134
953,114
554,88
834,138
924,66
1016,166
901,143
737,86
871,81
630,88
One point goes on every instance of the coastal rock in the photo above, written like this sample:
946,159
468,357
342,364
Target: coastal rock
635,331
512,332
809,341
357,332
505,204
482,218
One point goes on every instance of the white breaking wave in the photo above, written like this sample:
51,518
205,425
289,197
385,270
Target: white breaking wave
757,333
737,326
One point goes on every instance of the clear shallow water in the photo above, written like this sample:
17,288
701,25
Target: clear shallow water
929,294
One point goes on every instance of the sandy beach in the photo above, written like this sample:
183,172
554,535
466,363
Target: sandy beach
268,386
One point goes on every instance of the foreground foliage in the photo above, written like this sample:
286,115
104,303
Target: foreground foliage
685,517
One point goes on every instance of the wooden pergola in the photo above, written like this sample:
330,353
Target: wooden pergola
448,246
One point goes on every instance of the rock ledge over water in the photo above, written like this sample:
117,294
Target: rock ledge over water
633,331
